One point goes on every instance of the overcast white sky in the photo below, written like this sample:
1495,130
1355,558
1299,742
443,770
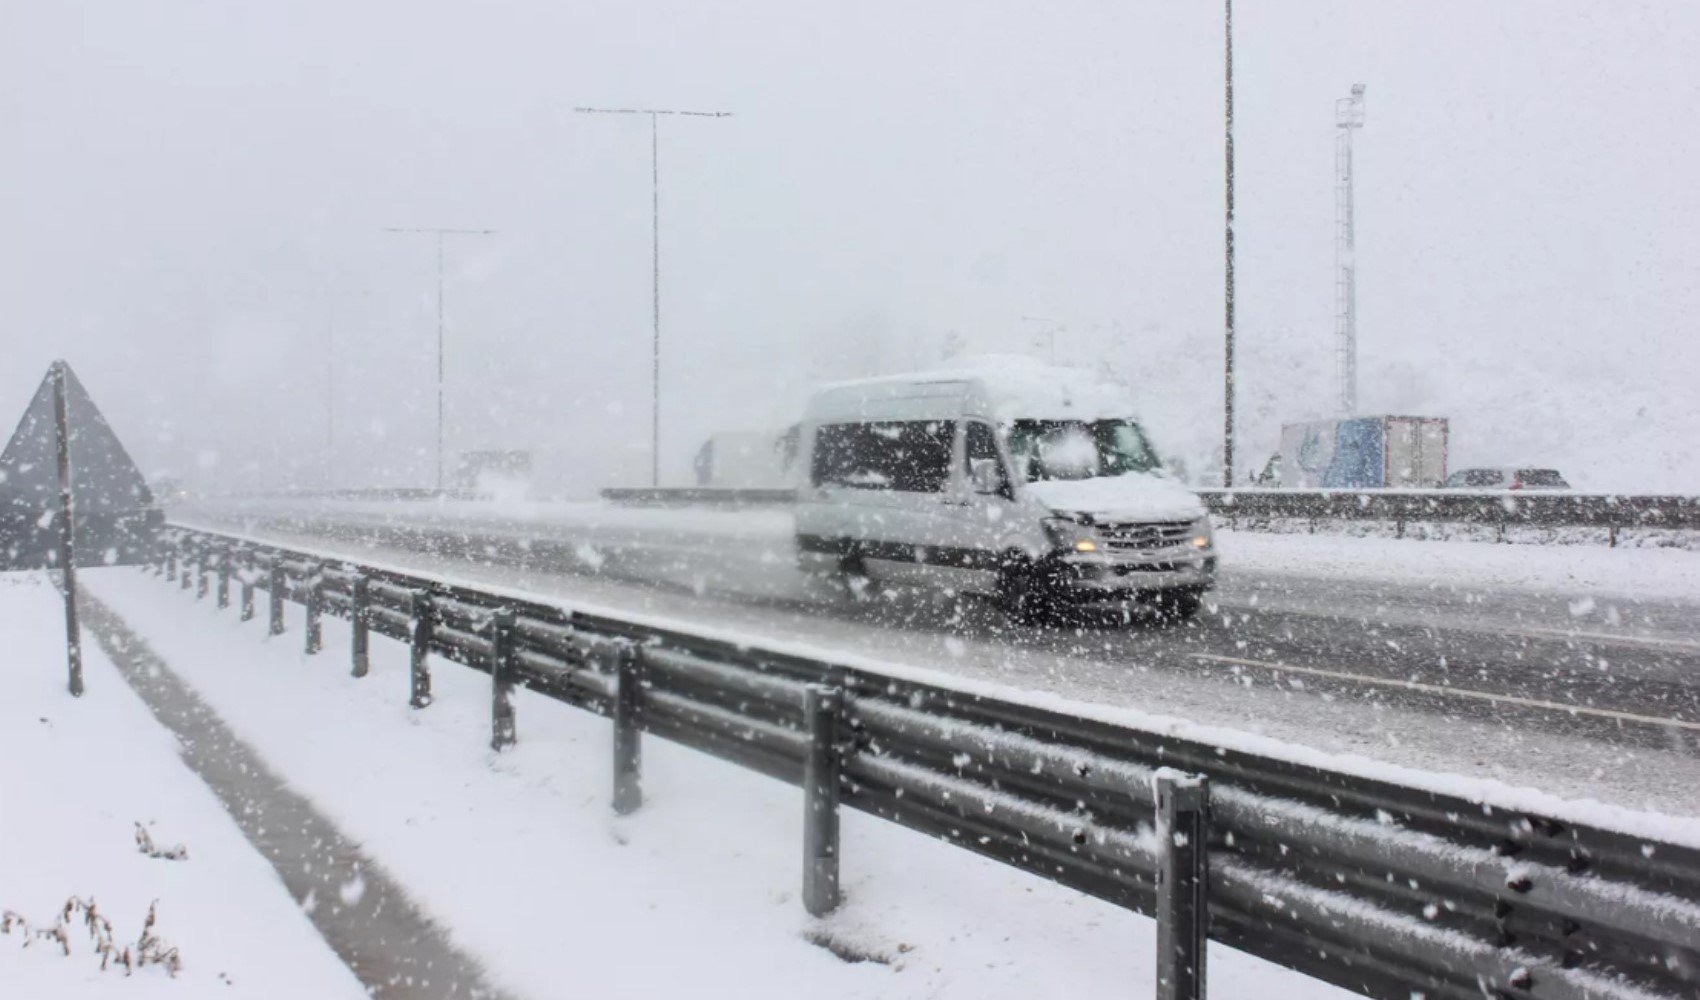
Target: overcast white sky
193,195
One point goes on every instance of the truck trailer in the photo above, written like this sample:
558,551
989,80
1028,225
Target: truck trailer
1364,453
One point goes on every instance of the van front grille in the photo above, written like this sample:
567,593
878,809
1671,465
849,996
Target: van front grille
1146,536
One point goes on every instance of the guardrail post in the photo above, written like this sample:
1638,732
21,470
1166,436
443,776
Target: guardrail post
820,800
359,597
419,672
224,557
628,742
202,552
502,732
1183,883
274,595
171,561
247,586
315,632
1611,535
183,577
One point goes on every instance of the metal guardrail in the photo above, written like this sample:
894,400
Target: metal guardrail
1496,509
713,496
1389,890
360,493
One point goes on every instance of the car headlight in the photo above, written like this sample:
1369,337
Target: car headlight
1070,535
1202,536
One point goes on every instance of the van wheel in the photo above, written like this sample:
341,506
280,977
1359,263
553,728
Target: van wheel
848,573
853,574
1026,594
1178,605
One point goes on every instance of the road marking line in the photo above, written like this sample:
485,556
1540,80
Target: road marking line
1553,706
1640,640
1483,628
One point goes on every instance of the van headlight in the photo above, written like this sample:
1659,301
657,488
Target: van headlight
1069,535
1202,537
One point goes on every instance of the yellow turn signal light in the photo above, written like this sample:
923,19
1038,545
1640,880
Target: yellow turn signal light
1200,541
1085,545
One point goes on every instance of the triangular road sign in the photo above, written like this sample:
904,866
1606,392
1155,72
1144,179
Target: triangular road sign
114,510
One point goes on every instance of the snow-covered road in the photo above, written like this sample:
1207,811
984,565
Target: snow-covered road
1572,670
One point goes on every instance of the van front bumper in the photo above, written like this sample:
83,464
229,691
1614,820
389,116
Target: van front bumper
1096,579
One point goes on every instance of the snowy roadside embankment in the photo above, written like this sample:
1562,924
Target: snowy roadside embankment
517,853
80,775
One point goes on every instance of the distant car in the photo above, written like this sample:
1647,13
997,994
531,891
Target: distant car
167,490
1506,479
1271,474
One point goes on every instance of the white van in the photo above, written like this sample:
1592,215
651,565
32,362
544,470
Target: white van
1024,481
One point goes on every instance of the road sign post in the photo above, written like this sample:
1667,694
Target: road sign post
67,531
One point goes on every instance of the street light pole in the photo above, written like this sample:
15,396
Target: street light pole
440,233
1228,252
330,388
330,381
655,263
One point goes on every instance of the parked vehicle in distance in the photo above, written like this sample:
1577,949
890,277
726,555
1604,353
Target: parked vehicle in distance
1364,453
1506,479
733,459
1031,483
167,490
1271,474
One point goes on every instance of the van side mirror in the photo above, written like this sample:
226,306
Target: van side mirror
983,475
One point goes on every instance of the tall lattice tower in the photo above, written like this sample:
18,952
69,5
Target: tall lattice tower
1348,118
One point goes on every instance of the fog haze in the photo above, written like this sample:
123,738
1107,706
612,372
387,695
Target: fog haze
195,197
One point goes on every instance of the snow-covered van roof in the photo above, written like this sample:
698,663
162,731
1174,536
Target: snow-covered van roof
1011,387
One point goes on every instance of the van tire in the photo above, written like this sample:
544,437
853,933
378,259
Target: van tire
1178,605
849,573
853,574
1025,594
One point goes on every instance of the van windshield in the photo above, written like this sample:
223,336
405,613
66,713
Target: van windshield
1079,449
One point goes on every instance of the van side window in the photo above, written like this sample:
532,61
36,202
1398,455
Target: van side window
911,456
982,445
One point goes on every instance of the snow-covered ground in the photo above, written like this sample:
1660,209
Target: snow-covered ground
520,858
77,775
